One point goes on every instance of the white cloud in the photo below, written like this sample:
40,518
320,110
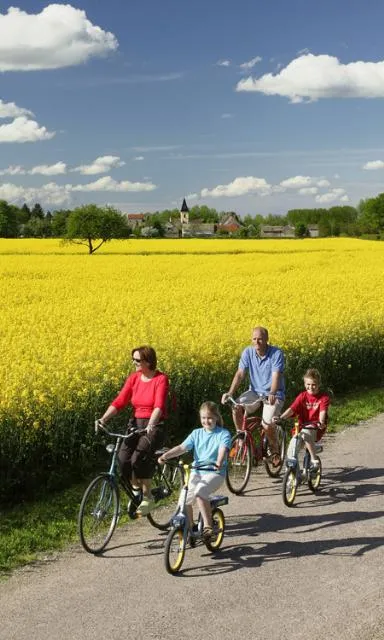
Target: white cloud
302,182
226,115
55,194
373,165
311,77
109,184
297,182
250,64
49,194
11,110
239,187
49,170
333,196
13,171
103,164
24,130
43,169
308,191
139,158
223,63
192,196
59,36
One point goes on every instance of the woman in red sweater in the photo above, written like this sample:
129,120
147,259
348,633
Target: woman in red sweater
146,390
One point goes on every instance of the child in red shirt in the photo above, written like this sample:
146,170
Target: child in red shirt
310,407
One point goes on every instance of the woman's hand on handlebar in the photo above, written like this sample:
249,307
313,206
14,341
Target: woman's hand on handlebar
99,424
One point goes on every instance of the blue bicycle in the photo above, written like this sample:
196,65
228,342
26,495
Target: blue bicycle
100,507
182,531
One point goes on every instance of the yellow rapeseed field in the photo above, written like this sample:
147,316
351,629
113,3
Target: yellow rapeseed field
69,320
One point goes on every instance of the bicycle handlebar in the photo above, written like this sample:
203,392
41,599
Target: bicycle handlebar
311,425
99,425
232,401
204,466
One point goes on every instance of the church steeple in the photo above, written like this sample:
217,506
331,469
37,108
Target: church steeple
184,213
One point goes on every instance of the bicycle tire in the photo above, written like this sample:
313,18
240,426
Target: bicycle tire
289,489
272,470
99,513
239,464
314,478
166,507
174,550
218,530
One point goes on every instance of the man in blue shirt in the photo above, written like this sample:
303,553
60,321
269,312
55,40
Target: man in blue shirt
265,366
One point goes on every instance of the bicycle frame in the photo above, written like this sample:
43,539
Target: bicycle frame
294,462
182,530
181,518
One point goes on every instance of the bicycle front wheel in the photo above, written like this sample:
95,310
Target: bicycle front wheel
275,470
217,530
289,487
165,493
239,464
174,550
99,513
314,477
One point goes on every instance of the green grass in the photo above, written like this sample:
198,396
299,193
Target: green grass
355,407
32,530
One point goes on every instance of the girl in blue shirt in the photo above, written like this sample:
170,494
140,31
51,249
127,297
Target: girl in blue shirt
210,444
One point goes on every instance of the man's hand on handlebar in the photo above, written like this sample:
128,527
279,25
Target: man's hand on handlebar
224,398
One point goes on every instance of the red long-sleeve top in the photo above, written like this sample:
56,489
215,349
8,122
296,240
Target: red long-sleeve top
144,396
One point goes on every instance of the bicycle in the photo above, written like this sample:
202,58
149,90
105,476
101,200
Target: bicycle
100,508
182,532
245,451
295,474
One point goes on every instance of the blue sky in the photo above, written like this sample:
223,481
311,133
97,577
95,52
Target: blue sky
254,106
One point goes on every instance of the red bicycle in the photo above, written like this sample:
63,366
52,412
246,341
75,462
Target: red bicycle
249,447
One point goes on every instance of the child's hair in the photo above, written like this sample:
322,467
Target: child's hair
214,410
314,374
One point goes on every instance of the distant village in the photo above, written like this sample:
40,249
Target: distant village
230,224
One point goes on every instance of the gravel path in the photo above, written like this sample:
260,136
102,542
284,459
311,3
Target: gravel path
315,570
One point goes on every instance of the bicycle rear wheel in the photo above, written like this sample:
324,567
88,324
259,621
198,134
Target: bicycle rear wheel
165,494
174,550
99,513
239,464
289,489
314,477
275,470
217,530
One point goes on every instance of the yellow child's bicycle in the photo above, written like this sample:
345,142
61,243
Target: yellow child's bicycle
183,532
297,473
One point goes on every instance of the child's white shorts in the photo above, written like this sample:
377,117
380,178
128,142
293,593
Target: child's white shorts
203,485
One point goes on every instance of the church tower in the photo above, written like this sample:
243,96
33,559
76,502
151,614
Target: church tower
184,213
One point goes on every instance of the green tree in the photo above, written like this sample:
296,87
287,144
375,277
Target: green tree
301,230
92,226
59,222
9,227
37,211
371,214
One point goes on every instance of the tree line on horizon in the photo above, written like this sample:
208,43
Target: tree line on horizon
91,222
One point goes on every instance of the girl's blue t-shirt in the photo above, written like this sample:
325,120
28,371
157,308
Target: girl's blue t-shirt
206,444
